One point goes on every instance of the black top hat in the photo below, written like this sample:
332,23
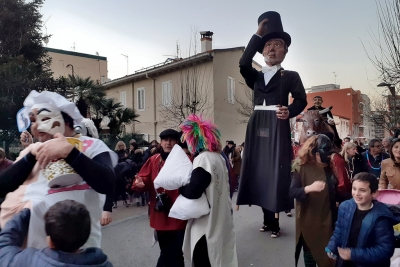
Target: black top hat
169,133
274,29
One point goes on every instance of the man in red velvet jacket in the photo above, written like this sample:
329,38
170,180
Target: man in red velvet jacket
170,231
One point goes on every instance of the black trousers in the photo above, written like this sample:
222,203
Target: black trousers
171,243
119,190
200,254
270,220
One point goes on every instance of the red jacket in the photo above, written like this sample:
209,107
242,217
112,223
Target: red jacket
338,165
158,220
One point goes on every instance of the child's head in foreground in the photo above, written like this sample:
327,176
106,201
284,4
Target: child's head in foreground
67,225
364,189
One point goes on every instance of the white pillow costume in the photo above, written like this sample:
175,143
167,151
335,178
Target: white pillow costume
174,174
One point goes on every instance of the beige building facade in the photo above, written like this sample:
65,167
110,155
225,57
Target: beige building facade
161,93
80,64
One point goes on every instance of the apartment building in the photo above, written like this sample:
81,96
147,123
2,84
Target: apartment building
84,65
209,81
351,110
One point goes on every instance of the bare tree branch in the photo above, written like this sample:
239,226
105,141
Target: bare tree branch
386,55
245,105
191,94
381,112
191,91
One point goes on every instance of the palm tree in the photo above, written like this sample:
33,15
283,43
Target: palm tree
84,92
121,116
115,113
91,101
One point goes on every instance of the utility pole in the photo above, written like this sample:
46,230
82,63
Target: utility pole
127,63
334,75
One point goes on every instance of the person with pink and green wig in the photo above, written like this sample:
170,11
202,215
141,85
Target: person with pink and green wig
209,240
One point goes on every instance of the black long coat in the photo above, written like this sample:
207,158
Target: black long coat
266,164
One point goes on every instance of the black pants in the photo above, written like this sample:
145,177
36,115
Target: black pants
200,254
308,257
119,191
171,243
271,221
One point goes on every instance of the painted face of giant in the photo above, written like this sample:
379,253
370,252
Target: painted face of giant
274,52
49,119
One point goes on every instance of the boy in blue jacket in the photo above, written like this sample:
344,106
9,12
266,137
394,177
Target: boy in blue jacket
67,225
364,234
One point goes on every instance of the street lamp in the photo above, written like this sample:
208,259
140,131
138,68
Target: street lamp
72,67
127,63
392,91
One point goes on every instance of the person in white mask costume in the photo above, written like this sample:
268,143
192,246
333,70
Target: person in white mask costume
25,184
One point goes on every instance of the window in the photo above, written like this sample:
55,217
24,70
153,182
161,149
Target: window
167,94
103,79
141,99
231,90
122,98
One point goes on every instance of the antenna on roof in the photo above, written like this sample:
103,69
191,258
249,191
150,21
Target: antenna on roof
73,47
334,75
177,51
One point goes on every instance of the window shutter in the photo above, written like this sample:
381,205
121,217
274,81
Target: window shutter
231,90
169,93
141,99
163,93
166,93
122,98
228,81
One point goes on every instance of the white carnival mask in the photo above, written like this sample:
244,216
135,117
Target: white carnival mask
49,119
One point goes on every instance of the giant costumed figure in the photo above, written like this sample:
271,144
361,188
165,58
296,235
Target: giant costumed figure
62,165
266,164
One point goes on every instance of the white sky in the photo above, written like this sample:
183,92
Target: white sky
327,36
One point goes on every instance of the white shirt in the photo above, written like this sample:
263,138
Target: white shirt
269,72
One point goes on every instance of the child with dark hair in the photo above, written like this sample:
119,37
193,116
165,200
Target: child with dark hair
364,234
67,225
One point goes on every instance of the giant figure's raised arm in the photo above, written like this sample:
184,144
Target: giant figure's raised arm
246,61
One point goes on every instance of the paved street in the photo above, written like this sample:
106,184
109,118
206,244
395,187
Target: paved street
127,241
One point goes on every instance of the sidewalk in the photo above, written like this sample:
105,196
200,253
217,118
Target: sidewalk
122,212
